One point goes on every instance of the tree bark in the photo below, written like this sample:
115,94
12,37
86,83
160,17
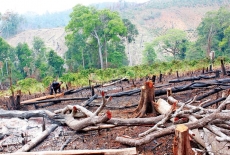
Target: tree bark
181,144
147,100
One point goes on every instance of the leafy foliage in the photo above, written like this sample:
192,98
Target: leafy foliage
173,43
212,31
30,85
24,55
149,54
10,24
56,63
97,28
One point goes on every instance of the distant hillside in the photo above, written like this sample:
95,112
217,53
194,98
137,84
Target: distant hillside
151,21
53,38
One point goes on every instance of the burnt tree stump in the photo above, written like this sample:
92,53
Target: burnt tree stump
147,100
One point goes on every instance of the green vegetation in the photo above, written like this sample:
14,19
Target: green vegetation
30,85
96,49
10,24
98,28
214,31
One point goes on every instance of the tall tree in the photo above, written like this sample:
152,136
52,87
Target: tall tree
102,25
132,32
56,63
225,43
40,59
4,49
24,55
10,24
170,43
77,55
149,54
211,30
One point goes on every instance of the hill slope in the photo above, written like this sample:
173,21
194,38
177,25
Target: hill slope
150,22
53,38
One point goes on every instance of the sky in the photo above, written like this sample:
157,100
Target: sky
42,6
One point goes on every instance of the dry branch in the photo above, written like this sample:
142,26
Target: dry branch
217,114
167,113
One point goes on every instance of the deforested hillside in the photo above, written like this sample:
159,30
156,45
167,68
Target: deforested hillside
152,19
54,38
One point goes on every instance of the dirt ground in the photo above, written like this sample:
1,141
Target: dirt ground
105,138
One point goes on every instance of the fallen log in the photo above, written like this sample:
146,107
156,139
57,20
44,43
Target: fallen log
192,78
125,151
86,103
213,102
34,142
114,107
135,121
42,98
213,91
169,130
160,92
114,82
56,100
83,88
27,114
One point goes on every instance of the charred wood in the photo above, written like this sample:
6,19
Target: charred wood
214,91
56,100
192,78
213,102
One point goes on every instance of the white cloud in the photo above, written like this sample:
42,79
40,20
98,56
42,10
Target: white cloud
42,6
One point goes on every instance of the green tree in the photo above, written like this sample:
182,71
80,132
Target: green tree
40,59
117,57
225,43
77,55
24,55
194,51
39,47
149,54
171,43
56,63
211,30
102,25
132,32
10,24
4,49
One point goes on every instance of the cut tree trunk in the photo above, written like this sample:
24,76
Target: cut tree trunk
147,100
181,145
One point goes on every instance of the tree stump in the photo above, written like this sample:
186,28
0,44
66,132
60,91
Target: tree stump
181,145
147,100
